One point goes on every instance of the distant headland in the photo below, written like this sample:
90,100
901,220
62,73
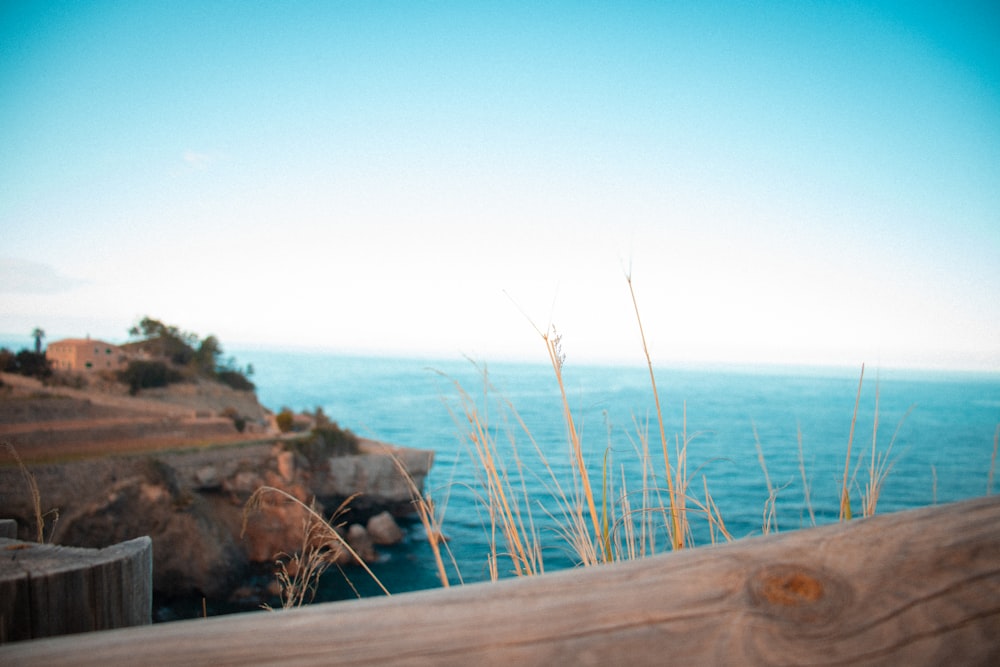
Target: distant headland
164,436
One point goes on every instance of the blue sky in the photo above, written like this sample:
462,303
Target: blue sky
802,182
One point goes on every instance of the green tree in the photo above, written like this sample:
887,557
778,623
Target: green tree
165,340
32,364
208,354
183,348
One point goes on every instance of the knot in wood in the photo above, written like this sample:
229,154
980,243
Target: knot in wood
790,588
797,593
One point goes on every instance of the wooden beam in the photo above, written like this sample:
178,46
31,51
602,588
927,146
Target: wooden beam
915,588
48,590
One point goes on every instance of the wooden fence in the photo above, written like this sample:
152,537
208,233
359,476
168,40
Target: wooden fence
48,590
915,588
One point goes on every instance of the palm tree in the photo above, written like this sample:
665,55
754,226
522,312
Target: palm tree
38,334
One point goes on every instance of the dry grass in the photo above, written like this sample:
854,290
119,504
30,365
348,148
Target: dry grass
606,521
299,573
431,521
36,496
845,495
600,520
879,464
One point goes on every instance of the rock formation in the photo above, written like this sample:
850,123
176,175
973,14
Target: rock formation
191,503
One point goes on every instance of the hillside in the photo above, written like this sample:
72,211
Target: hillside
47,422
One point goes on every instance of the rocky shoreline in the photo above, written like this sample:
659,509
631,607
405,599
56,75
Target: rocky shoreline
188,493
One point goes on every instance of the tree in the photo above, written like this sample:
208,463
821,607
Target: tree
207,356
32,365
8,361
168,341
38,334
184,349
285,419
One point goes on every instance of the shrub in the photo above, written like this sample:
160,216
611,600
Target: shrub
326,442
32,364
338,441
71,380
239,421
284,420
147,374
236,380
8,362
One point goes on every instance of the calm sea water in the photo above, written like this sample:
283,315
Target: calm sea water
941,426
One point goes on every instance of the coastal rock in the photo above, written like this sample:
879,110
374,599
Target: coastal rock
275,528
359,540
193,552
286,465
207,478
375,477
384,530
192,502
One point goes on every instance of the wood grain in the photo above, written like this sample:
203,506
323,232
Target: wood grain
48,590
914,588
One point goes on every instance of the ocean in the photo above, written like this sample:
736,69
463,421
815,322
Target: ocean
941,426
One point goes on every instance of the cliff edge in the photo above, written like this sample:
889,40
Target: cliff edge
175,464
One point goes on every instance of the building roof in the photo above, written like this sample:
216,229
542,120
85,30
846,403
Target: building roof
76,342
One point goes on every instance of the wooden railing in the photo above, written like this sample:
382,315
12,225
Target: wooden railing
915,588
48,590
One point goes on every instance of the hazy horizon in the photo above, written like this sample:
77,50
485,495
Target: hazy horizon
795,184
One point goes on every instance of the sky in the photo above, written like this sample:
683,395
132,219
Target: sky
792,183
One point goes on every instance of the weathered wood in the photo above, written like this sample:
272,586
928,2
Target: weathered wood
8,529
48,590
914,588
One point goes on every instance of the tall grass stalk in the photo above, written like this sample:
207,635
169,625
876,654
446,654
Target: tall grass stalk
508,508
326,538
553,344
845,491
36,496
881,463
431,521
677,537
770,510
716,526
806,486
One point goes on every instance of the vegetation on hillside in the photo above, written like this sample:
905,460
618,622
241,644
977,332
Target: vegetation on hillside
25,362
175,355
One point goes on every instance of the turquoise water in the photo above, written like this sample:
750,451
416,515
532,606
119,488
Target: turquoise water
941,425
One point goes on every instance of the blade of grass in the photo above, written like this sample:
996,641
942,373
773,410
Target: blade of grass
805,481
845,496
677,538
36,496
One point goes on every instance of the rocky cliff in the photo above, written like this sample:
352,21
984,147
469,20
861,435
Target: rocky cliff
191,503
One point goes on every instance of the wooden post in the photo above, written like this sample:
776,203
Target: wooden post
48,590
914,588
